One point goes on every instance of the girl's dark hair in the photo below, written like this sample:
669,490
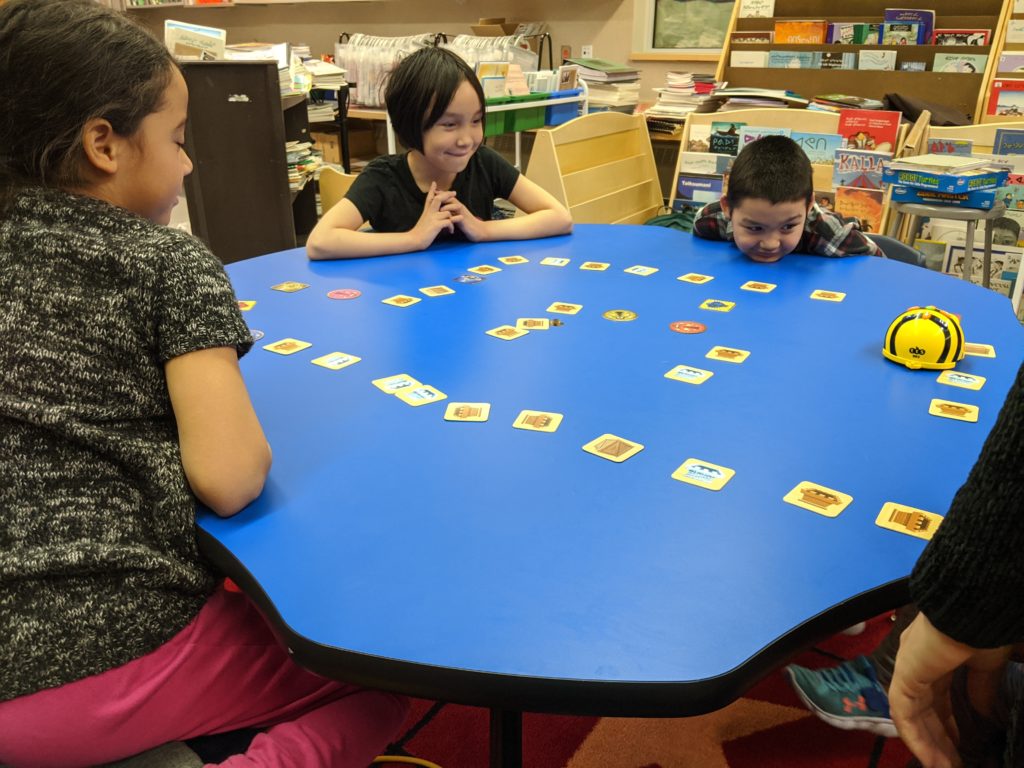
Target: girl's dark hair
773,168
63,63
420,89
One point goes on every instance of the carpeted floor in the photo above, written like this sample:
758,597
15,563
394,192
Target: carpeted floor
767,728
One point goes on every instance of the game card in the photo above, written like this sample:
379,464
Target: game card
947,409
613,448
908,520
506,332
396,383
513,259
467,412
245,306
533,323
289,286
554,261
595,266
818,498
436,290
335,361
484,269
758,287
287,346
703,474
640,269
728,354
538,421
963,380
717,305
695,277
979,350
689,375
420,395
828,295
401,300
620,315
564,308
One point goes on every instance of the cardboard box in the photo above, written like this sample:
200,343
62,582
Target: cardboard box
362,143
496,27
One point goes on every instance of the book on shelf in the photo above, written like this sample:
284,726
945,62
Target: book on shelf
705,163
602,69
959,182
862,204
748,58
949,146
756,9
961,36
876,59
1015,31
924,18
850,33
1006,97
837,60
913,66
665,127
846,100
803,32
794,59
872,129
192,42
858,168
820,148
899,33
749,133
697,189
787,97
962,63
1008,141
753,37
1011,61
725,137
699,139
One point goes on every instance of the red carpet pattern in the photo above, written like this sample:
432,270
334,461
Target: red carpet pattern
767,728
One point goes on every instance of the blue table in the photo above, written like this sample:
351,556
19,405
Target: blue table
487,565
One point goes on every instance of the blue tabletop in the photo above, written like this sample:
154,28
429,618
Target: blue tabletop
481,563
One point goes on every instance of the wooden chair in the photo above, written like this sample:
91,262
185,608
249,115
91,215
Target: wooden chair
600,166
333,186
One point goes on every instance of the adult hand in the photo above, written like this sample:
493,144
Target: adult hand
919,692
434,217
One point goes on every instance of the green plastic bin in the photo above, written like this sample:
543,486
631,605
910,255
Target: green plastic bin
494,122
525,119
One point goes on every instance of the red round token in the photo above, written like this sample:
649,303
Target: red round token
345,293
687,326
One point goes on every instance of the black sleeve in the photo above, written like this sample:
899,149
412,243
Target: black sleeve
367,192
502,173
969,580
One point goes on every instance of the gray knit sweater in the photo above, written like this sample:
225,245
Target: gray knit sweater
98,557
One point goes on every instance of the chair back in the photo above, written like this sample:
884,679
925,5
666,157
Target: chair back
897,250
333,186
600,166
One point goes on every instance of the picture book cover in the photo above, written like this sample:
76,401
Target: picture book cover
801,32
748,58
837,60
924,18
753,37
858,168
1006,97
749,133
850,33
876,59
725,138
913,66
962,36
899,33
698,189
1008,141
862,204
820,148
949,146
705,163
964,63
699,139
1011,62
934,252
793,59
1015,31
873,129
756,9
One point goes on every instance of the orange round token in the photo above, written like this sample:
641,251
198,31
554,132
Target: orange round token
687,326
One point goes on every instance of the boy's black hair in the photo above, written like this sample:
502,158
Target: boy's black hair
772,168
420,89
87,61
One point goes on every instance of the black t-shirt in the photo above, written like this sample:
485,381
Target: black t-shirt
386,195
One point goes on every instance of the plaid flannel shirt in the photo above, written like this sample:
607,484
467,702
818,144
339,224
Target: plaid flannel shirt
825,233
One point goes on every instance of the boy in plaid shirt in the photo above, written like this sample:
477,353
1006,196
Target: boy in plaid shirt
769,209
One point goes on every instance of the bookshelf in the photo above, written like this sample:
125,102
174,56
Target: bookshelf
959,91
999,47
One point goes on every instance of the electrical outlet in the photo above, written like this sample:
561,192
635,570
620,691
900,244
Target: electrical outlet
587,51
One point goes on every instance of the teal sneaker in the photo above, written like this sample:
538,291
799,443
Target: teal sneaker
848,696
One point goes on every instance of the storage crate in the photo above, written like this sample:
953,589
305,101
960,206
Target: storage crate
562,113
526,118
494,122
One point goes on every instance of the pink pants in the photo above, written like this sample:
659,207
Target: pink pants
224,671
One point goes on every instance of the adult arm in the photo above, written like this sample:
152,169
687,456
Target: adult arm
223,450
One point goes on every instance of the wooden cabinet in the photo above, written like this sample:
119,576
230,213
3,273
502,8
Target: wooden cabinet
239,201
960,91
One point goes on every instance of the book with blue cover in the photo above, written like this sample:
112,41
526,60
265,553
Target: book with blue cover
1008,141
793,60
925,19
858,168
